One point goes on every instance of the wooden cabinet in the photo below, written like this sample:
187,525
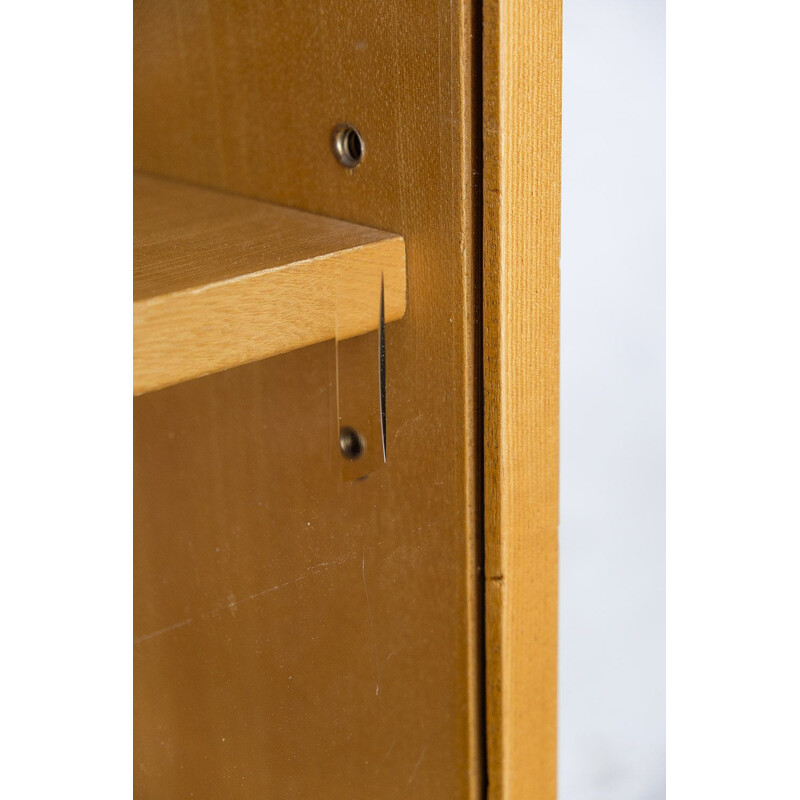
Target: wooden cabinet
298,633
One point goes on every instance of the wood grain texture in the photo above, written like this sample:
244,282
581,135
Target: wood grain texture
298,636
220,281
522,146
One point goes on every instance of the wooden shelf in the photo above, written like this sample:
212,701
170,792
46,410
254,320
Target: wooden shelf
221,280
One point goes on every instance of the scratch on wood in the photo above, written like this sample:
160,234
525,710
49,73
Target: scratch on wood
163,630
416,766
371,626
405,425
310,571
386,755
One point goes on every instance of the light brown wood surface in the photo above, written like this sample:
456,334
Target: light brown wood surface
298,636
522,145
220,281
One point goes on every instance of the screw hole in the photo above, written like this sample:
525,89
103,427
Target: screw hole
348,146
351,444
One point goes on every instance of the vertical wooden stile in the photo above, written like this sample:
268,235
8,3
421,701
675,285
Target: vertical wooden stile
522,141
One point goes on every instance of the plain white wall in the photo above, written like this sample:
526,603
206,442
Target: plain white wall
612,628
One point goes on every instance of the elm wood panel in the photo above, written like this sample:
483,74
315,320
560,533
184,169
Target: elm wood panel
242,97
522,148
221,281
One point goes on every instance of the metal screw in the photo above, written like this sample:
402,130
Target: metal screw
351,444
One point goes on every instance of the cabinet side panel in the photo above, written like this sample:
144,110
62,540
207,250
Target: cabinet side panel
299,636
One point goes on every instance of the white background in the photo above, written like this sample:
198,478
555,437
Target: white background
612,632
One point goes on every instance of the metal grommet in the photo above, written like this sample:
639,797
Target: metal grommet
347,145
